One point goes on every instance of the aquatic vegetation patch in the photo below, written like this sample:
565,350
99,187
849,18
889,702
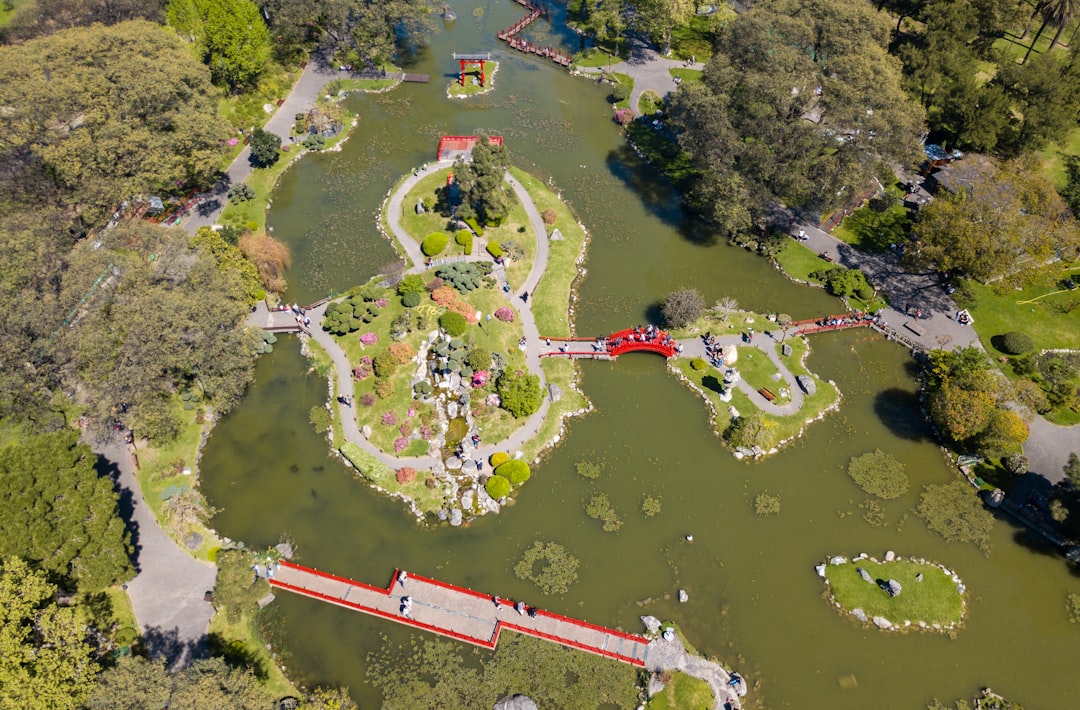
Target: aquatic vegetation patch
879,474
549,566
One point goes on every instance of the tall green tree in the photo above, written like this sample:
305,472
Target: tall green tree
45,662
136,683
800,104
480,178
43,17
58,513
94,116
1003,224
230,36
1056,13
168,320
659,17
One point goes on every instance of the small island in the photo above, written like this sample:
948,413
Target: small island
477,76
896,594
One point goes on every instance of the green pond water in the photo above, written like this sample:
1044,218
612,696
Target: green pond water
754,600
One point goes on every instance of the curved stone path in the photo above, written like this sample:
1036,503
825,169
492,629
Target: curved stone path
535,345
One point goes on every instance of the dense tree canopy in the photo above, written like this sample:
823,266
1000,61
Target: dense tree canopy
801,104
230,36
1002,223
170,320
368,30
58,513
92,116
481,180
136,683
45,662
42,17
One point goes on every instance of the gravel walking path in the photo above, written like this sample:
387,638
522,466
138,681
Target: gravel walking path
167,591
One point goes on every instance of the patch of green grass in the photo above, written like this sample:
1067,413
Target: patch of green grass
471,87
551,299
650,103
876,225
1054,155
243,640
623,80
758,370
245,111
427,500
996,314
561,372
596,57
688,76
161,467
682,692
7,11
799,261
934,600
697,36
778,428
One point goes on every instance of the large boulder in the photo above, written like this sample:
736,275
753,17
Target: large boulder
516,701
865,575
652,624
806,383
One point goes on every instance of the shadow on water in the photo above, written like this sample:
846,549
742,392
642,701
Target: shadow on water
659,197
898,409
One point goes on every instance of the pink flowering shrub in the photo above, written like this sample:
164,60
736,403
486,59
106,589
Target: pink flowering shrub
493,400
479,378
406,474
382,303
425,433
412,412
624,116
389,419
369,338
399,444
505,314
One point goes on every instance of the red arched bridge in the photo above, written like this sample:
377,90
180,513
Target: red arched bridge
641,339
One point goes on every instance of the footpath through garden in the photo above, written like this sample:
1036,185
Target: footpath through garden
647,68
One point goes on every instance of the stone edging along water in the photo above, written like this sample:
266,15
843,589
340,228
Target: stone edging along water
881,622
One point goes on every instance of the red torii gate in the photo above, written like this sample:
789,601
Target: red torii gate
468,60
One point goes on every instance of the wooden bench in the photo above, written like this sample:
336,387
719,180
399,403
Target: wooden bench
825,256
766,394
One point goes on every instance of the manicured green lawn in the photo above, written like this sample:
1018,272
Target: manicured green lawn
799,261
650,103
244,639
552,296
627,81
758,370
934,600
872,228
688,75
995,314
428,500
596,57
683,692
472,86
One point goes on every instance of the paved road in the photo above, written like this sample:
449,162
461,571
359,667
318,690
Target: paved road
303,96
167,593
648,70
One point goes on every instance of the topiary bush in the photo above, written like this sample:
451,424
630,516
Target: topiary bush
411,299
453,323
698,364
1015,343
434,244
516,471
865,292
463,277
495,250
499,458
465,239
475,224
384,364
497,487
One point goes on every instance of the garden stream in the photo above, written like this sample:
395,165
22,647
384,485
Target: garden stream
754,599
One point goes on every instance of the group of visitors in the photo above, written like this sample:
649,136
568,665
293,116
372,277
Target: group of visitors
714,352
648,334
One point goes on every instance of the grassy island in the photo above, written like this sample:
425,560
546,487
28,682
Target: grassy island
930,597
472,85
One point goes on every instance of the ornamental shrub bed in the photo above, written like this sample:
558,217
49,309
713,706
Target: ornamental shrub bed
495,250
453,323
499,458
515,471
497,487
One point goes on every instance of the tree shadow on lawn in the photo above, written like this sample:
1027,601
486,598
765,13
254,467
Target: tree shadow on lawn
711,383
898,410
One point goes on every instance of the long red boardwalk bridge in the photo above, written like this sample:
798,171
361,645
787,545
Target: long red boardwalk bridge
457,612
509,35
630,340
829,323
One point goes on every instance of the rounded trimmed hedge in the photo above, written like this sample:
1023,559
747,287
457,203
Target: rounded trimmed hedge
453,323
465,239
434,244
1016,342
494,249
499,458
497,487
411,299
515,471
698,364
